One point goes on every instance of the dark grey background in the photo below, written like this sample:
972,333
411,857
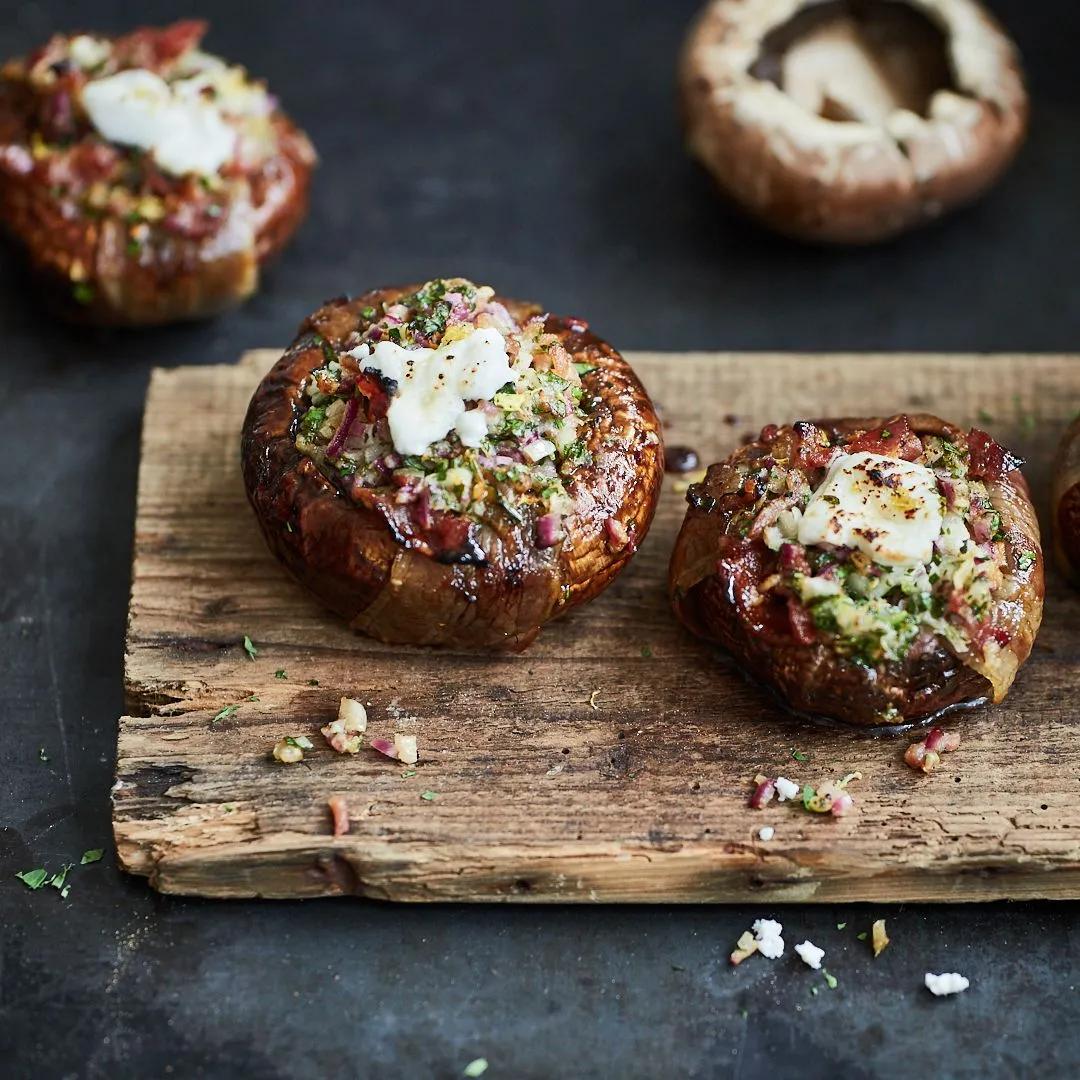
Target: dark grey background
533,146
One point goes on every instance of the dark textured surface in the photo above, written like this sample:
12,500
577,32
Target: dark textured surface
532,146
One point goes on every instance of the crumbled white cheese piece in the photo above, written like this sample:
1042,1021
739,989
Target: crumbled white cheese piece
786,789
889,509
811,954
948,983
431,386
87,52
344,733
767,934
766,832
184,131
405,748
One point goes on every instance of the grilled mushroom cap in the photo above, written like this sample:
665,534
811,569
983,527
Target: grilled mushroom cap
1065,503
849,121
352,548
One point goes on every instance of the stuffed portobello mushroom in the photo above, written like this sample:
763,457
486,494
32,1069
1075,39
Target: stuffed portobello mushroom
442,466
875,572
146,181
1065,503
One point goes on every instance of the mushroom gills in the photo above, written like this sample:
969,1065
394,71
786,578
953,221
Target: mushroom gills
847,60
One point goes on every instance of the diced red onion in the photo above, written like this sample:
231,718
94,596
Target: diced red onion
548,530
763,794
423,508
337,443
385,747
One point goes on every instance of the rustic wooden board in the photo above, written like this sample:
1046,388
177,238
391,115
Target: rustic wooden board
541,797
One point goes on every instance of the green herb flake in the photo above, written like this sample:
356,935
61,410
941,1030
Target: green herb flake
798,755
862,936
280,674
133,247
584,369
429,796
224,714
301,741
92,856
476,1067
985,417
646,652
744,1013
1026,560
407,773
313,682
253,697
59,879
841,925
830,979
33,879
368,312
814,990
249,648
42,756
82,293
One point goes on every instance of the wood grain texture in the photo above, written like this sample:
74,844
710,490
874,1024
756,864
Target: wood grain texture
541,797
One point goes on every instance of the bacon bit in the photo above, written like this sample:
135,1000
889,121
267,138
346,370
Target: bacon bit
763,792
879,939
814,450
893,439
339,813
925,756
746,946
617,535
987,459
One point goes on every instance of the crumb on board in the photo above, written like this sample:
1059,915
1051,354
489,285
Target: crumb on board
339,814
878,938
345,733
951,982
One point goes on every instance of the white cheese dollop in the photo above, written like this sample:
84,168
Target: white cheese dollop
767,934
432,386
887,508
766,832
786,789
184,131
810,954
948,983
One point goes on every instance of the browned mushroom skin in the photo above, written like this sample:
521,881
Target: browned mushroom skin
1065,501
85,263
846,121
350,553
813,679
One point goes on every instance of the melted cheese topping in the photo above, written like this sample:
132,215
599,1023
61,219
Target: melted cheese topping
887,508
185,132
432,386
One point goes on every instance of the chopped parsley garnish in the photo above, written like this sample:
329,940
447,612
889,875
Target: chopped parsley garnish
223,714
429,796
368,312
59,879
798,755
646,652
92,856
476,1067
841,925
584,369
82,293
862,936
407,773
829,979
249,648
1026,560
985,417
280,674
33,879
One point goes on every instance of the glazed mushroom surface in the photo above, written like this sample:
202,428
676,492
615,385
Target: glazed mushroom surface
1065,502
145,179
443,466
876,572
849,121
